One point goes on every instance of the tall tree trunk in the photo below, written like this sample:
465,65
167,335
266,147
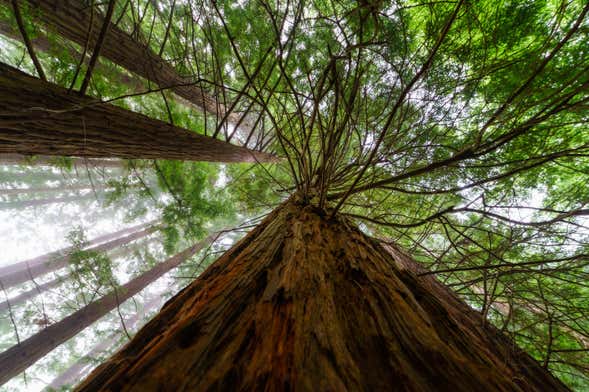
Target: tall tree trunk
23,271
32,293
41,202
19,357
305,303
77,163
72,18
122,251
63,188
38,117
76,370
132,81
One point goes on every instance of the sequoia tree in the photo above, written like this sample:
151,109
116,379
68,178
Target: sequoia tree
308,302
425,227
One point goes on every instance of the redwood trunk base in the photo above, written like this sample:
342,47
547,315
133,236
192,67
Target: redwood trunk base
310,304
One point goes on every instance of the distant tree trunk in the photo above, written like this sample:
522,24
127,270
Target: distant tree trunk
41,288
23,271
308,303
32,293
73,373
38,117
72,19
63,188
17,358
77,163
125,251
41,202
41,43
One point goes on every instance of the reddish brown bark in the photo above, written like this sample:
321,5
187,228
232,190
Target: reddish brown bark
468,317
17,358
23,271
71,19
306,303
37,117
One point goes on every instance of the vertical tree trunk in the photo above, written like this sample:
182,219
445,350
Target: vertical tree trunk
132,81
42,202
23,271
306,303
40,289
73,373
72,19
32,293
63,188
38,117
17,358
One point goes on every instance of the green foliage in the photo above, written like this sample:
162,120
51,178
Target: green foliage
88,268
194,200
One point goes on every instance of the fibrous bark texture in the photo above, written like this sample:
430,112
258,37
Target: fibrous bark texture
37,117
307,303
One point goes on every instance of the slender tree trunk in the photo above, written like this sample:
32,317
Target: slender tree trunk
64,188
19,357
305,303
32,293
38,117
40,289
23,271
122,251
77,163
41,202
72,18
73,373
